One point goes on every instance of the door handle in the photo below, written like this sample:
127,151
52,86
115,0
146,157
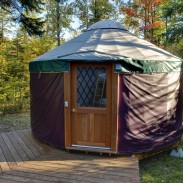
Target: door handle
74,110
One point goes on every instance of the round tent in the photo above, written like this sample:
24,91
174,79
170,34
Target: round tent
108,91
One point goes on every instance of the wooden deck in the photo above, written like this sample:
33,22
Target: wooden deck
24,159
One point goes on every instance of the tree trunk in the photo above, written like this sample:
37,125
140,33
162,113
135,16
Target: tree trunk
95,13
58,23
2,31
86,14
153,20
166,25
145,22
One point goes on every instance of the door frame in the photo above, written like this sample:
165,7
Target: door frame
68,106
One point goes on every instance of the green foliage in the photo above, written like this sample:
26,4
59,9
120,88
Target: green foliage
13,90
81,10
100,10
22,13
58,18
172,13
14,74
160,22
5,24
144,18
91,11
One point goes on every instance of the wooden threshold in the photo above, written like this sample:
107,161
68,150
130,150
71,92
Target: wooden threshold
91,149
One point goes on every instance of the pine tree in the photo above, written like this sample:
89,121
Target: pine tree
58,18
22,13
5,24
91,11
100,9
173,18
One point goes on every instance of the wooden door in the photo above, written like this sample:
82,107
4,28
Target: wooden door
91,105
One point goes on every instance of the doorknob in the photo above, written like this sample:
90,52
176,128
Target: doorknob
74,110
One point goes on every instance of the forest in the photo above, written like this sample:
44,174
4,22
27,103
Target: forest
31,28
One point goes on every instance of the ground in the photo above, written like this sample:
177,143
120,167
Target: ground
10,122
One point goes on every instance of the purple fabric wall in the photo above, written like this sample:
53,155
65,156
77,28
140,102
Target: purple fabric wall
150,112
47,107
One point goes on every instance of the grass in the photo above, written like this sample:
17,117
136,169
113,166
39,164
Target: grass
17,121
160,168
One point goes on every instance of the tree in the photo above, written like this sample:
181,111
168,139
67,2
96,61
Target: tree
91,11
5,24
159,21
81,10
144,15
58,18
15,55
100,9
172,13
21,11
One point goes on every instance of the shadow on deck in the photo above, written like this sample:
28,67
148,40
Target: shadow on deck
25,159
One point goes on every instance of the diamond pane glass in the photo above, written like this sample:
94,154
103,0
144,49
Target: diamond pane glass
91,86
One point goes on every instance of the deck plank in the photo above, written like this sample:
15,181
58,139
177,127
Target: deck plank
73,168
13,177
3,163
11,148
42,163
42,175
56,176
84,163
43,145
90,172
33,141
23,145
7,181
7,154
80,166
18,147
29,144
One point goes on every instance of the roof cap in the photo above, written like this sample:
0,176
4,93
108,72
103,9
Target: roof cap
107,24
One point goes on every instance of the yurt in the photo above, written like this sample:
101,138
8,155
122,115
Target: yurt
107,91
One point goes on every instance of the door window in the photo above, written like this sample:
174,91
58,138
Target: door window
91,86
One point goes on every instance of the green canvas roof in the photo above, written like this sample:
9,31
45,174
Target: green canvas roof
108,41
